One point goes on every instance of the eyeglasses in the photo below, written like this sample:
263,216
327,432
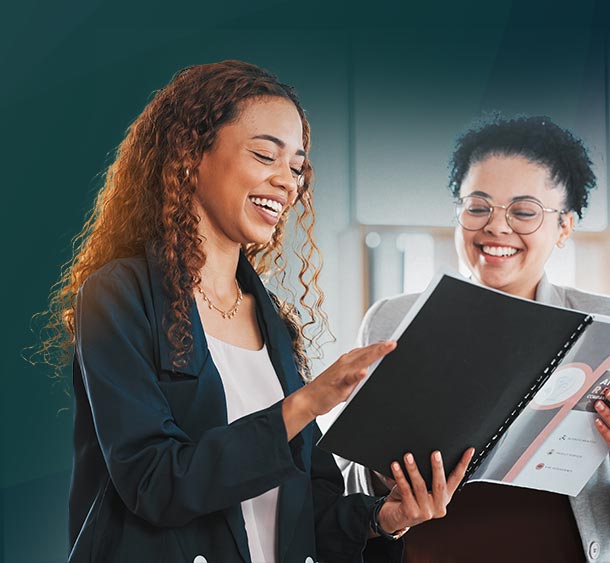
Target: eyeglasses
523,216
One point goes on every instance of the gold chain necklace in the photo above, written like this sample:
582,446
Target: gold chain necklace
229,313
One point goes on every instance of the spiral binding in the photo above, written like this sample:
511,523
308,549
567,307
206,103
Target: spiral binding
474,464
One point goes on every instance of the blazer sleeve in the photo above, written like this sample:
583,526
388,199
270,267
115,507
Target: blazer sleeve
343,522
162,474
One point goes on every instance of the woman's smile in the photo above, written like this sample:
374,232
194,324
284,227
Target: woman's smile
270,207
497,253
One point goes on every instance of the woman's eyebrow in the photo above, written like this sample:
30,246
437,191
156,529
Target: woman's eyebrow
516,198
480,194
525,197
278,142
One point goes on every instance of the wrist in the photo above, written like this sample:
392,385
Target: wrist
297,412
383,525
305,402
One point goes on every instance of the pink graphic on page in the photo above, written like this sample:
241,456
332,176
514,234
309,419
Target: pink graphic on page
564,391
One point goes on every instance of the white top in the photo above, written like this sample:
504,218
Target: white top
250,385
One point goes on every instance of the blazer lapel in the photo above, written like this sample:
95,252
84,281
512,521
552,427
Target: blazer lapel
196,359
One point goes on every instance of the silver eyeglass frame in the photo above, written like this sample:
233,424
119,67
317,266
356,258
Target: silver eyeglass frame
459,202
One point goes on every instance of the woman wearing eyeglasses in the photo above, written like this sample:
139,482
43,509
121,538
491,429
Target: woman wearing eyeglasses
518,185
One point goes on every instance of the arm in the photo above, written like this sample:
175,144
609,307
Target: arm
343,522
161,473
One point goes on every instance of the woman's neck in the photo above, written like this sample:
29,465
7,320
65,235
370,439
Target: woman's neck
527,290
219,271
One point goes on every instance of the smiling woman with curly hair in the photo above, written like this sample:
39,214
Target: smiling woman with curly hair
194,433
148,195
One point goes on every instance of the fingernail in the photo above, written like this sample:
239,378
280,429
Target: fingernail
409,458
437,456
599,405
395,466
599,422
607,393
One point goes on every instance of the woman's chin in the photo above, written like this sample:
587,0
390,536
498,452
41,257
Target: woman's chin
259,238
494,278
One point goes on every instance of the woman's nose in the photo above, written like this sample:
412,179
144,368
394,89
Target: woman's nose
498,222
285,178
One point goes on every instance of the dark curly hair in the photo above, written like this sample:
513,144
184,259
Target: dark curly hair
535,138
147,199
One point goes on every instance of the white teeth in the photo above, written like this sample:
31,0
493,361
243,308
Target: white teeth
499,250
274,207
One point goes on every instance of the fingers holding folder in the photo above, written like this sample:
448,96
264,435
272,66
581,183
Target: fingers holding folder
410,502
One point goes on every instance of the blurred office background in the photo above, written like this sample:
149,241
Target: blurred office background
387,87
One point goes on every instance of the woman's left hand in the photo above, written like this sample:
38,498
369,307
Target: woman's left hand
411,504
603,422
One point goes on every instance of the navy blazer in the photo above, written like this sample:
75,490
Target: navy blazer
158,472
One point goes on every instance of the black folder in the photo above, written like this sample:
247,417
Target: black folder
468,360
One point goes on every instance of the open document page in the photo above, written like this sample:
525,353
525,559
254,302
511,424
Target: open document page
469,361
553,444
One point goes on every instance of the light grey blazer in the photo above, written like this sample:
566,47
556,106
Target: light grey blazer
592,506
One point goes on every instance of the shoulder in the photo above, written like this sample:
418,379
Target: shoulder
118,283
583,300
121,271
116,300
384,316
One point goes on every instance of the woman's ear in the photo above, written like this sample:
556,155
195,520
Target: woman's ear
566,226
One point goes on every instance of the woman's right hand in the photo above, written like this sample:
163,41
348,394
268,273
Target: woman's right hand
410,502
333,386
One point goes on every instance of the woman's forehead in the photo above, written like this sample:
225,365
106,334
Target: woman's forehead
266,118
500,177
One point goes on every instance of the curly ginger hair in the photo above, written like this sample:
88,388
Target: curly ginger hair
147,198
